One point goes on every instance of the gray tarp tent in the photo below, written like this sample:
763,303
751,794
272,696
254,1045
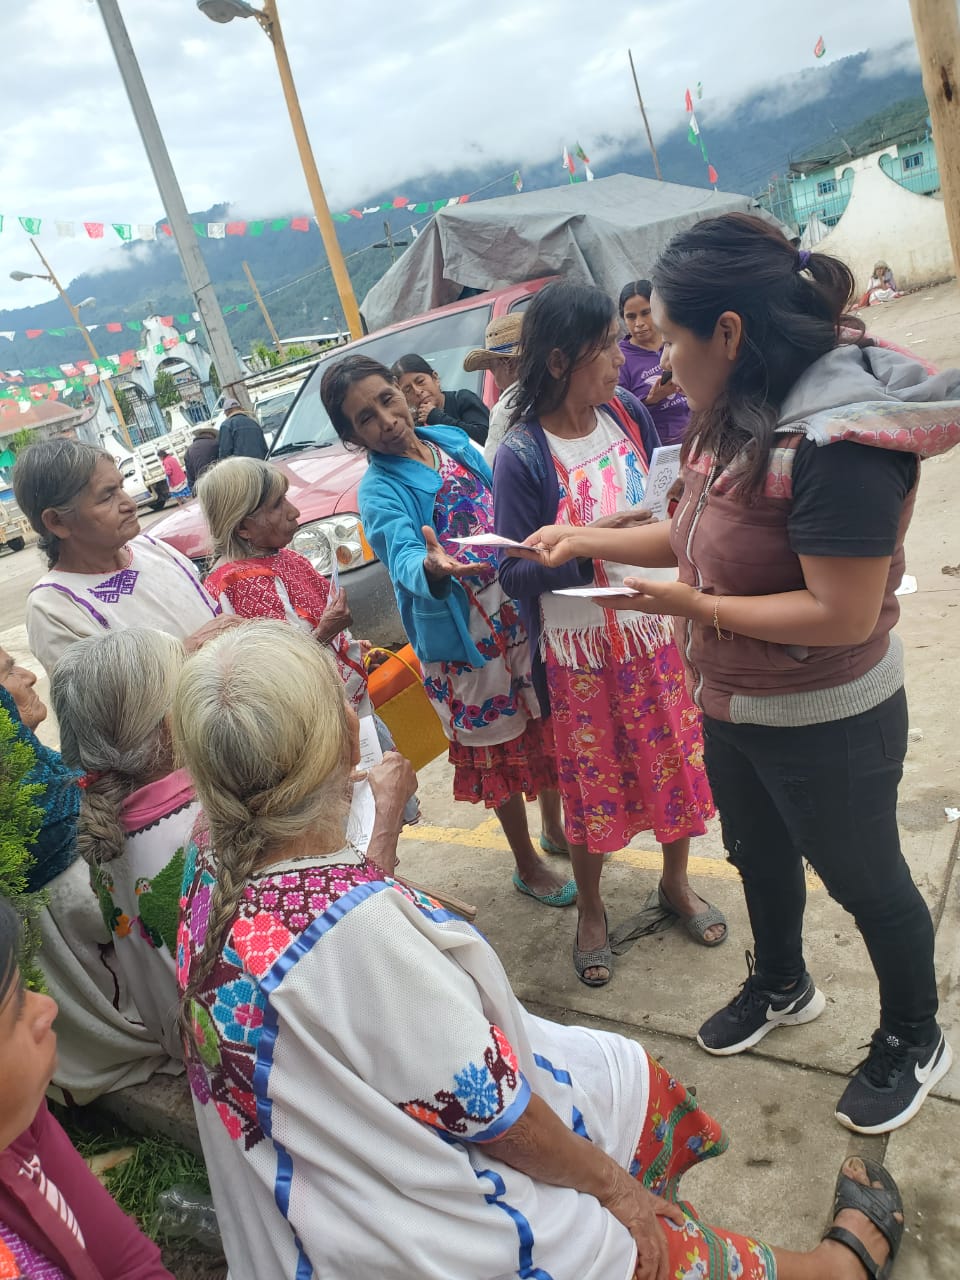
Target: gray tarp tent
607,232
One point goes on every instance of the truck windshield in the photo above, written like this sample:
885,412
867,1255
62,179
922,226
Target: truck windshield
444,341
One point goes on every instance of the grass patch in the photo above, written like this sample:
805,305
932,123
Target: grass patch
158,1163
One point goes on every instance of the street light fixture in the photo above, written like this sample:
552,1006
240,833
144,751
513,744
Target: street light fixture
269,20
75,313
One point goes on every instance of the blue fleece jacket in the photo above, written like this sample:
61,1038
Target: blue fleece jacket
397,497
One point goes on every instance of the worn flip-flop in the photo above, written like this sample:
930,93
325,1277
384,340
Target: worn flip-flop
879,1204
697,926
600,956
564,897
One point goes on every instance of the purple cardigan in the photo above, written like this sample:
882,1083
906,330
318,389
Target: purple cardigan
526,495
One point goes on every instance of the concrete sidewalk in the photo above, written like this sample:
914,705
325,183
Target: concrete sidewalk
777,1101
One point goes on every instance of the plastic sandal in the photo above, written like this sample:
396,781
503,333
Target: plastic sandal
697,926
584,960
549,847
880,1205
564,897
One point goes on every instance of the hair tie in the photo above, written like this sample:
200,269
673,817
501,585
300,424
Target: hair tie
90,778
803,257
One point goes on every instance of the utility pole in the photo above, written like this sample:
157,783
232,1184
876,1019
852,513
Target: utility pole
89,341
194,267
264,312
270,21
646,122
936,26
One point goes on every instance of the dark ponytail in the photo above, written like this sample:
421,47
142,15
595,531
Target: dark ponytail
792,306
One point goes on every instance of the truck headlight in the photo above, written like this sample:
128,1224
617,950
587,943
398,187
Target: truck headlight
337,539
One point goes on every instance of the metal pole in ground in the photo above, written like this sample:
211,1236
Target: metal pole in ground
194,267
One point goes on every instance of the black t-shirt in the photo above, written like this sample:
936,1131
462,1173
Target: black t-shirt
847,498
465,410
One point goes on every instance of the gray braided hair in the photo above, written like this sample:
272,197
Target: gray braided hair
270,757
112,695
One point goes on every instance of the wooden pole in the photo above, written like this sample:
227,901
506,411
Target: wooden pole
264,312
936,25
646,122
89,341
270,21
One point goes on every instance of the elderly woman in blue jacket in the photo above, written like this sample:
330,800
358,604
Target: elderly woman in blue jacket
424,488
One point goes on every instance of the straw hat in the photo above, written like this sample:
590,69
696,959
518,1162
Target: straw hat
501,341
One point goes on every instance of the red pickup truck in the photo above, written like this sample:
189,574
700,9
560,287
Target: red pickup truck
324,475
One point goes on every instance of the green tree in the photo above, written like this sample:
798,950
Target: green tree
20,820
20,439
166,389
268,356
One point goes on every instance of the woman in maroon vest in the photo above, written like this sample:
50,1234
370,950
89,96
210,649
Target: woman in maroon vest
789,555
56,1220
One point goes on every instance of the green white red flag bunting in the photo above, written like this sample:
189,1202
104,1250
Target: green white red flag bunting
117,326
12,379
126,231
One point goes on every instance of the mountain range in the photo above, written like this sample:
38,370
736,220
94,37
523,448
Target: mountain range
748,145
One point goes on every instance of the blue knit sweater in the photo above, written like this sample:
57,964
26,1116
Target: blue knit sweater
397,497
55,846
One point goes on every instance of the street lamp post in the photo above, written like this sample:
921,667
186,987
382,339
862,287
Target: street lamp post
75,313
194,267
269,20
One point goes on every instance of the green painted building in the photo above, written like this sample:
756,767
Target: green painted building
818,182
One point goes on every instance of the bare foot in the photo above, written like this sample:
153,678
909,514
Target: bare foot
591,936
841,1263
687,904
539,877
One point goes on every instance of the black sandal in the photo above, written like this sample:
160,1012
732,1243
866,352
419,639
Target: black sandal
879,1204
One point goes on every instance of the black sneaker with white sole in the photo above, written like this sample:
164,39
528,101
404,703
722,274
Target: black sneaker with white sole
755,1011
889,1086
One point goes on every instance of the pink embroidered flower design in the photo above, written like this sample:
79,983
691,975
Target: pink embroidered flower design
231,1121
504,1047
260,941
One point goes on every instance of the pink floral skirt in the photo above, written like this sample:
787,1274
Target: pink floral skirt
493,774
629,749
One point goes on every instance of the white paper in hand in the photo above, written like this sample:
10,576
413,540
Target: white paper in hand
363,810
486,540
591,593
664,470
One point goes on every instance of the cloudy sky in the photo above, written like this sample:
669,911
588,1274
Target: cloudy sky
389,90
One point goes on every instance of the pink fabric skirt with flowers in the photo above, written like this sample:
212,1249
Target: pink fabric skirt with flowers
493,774
629,748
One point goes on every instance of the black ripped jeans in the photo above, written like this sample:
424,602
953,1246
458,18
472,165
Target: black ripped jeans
827,793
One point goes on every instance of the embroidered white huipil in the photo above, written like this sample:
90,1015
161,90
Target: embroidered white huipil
357,1045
